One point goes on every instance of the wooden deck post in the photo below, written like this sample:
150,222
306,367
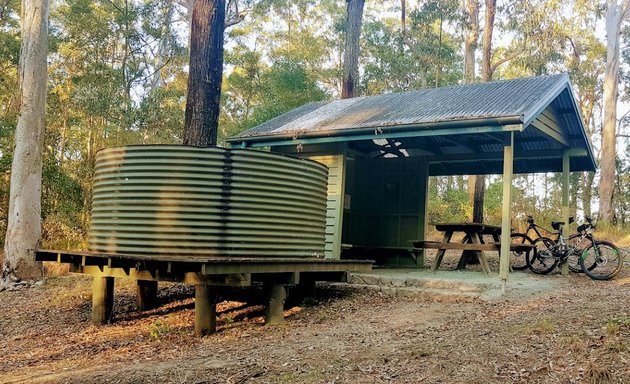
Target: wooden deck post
146,294
102,299
566,172
205,310
506,213
274,313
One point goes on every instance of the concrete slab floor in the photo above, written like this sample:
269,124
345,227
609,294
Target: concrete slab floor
520,284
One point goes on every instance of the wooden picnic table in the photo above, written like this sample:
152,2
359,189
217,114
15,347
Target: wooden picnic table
472,245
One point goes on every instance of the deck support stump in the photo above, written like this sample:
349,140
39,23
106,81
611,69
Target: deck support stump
146,295
102,299
274,312
205,310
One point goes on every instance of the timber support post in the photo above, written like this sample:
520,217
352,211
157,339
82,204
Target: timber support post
205,310
506,212
102,299
566,172
146,294
274,312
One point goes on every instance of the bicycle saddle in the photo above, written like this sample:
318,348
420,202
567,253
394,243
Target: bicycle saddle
583,227
557,224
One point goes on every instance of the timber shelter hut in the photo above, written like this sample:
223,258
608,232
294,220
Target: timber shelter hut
380,151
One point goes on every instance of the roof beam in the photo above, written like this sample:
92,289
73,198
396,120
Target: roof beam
462,143
548,123
574,152
425,132
419,143
494,138
556,135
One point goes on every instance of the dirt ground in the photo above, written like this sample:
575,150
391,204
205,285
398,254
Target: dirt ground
577,331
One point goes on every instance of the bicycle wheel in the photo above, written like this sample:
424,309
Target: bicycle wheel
543,260
518,260
577,244
606,258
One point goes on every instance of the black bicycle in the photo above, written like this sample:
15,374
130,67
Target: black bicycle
600,260
518,257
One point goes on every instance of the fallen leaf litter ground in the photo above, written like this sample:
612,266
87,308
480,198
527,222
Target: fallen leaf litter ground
577,331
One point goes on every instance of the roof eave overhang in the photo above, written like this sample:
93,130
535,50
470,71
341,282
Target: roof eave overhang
562,86
587,140
450,127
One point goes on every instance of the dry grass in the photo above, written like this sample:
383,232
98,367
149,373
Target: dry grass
619,236
55,269
541,327
597,374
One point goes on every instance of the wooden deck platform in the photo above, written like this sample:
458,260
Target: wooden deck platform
206,273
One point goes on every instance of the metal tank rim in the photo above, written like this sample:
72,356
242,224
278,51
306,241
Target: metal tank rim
190,147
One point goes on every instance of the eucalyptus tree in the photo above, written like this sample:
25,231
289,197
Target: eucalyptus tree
470,48
552,36
471,42
354,19
284,54
424,52
616,11
486,75
24,218
9,98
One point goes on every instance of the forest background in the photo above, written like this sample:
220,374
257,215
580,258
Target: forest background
118,76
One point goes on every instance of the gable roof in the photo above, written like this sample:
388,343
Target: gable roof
519,99
546,103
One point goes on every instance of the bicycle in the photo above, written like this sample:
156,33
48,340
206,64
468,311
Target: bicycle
600,260
518,258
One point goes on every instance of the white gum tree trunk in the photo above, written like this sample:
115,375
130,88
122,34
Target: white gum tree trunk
24,221
614,15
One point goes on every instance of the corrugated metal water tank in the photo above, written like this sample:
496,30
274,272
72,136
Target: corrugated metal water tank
166,200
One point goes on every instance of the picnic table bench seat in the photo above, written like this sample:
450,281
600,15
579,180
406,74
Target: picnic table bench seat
472,246
420,244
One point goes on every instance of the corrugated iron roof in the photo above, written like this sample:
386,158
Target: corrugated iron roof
450,126
519,98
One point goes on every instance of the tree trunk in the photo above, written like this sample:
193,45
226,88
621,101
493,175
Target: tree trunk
24,220
587,192
403,18
480,190
486,58
354,18
472,179
62,139
470,45
460,183
205,73
614,16
167,13
189,13
486,75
